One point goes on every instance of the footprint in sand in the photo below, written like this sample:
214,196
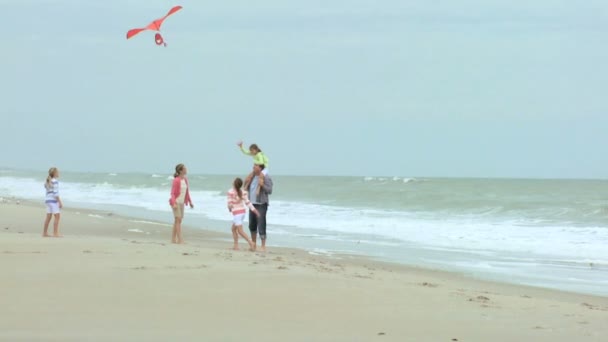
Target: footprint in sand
86,251
186,267
356,275
538,327
481,299
594,307
427,284
282,268
222,254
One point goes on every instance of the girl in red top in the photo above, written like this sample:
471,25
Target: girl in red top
180,197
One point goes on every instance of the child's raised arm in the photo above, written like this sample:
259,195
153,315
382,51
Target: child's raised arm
245,152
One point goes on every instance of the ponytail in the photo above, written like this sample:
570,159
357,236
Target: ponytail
238,184
52,171
178,170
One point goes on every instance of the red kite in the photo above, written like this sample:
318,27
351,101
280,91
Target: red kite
155,26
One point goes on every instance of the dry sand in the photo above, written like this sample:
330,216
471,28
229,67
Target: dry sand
102,282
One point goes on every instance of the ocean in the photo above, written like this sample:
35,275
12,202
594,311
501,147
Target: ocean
546,233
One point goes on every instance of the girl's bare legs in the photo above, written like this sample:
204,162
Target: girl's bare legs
180,240
47,220
56,225
235,237
245,236
177,227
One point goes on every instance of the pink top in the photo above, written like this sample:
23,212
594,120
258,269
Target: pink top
175,191
235,204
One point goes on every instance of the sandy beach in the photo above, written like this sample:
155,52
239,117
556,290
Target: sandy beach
112,278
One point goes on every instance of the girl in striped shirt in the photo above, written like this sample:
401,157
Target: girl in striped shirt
53,202
237,200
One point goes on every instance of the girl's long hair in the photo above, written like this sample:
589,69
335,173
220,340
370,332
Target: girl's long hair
52,171
178,170
238,184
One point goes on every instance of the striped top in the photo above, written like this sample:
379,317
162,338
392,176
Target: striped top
52,191
236,204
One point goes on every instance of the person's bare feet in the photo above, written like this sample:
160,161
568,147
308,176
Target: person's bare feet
262,249
236,248
45,235
57,235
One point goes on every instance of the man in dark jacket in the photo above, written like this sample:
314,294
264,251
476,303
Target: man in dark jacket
257,224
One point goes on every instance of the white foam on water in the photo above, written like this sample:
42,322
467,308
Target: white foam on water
479,233
475,232
478,238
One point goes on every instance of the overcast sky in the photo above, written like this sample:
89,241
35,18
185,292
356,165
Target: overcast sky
471,88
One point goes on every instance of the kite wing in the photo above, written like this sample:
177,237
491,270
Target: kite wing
155,25
133,32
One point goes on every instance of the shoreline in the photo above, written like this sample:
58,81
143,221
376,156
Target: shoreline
115,277
216,240
494,248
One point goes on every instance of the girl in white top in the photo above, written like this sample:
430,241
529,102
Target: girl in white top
53,202
236,201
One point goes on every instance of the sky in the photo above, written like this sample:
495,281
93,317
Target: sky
470,88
